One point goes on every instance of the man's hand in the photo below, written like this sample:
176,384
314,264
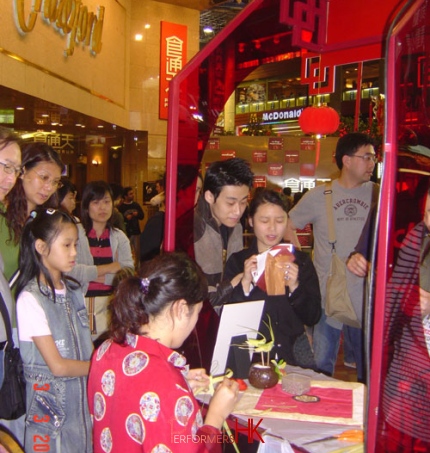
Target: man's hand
358,265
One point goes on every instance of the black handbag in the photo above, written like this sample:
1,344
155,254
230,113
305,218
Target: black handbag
12,391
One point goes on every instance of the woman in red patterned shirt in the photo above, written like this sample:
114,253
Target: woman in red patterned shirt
140,389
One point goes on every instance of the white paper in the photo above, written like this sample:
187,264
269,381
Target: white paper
261,259
242,318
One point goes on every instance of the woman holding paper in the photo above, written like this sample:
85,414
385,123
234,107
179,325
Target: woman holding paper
290,287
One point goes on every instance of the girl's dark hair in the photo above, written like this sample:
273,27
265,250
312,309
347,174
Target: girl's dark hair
66,188
16,200
166,278
45,224
95,190
263,196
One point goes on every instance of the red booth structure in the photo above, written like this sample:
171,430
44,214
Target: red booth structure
325,34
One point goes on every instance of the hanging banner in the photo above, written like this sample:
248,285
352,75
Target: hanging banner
307,144
213,143
173,56
275,169
291,157
276,143
259,156
228,154
259,181
307,169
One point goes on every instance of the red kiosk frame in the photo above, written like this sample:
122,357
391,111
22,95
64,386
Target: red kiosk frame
328,33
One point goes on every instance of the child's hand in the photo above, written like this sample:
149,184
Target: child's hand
222,403
198,379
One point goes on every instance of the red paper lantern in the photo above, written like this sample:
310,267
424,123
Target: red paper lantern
321,120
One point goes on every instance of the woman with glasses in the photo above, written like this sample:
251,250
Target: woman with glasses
10,169
36,186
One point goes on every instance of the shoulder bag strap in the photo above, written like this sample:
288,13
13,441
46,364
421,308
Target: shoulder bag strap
13,279
6,320
330,222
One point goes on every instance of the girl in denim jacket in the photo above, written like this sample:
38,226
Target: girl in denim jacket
54,336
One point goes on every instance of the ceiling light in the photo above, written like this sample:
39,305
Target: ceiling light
138,37
147,26
208,30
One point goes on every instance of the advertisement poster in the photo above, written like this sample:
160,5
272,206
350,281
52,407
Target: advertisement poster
213,143
276,143
228,154
291,157
307,170
259,156
275,169
259,181
307,144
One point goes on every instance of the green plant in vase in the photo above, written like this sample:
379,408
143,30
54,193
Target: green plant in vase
262,375
279,367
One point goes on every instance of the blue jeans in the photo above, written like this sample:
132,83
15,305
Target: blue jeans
348,351
326,346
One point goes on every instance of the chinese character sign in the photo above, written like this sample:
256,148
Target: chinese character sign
173,55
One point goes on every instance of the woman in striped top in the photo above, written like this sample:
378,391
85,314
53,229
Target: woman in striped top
103,246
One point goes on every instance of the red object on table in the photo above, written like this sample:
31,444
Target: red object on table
242,384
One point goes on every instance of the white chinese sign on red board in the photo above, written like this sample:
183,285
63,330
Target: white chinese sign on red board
173,56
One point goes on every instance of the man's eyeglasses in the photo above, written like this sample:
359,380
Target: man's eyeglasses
366,157
46,180
10,169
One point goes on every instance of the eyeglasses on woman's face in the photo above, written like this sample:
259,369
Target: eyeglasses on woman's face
47,180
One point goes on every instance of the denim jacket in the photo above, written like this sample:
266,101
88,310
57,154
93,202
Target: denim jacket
57,408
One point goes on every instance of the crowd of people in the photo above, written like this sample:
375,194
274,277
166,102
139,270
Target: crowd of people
103,316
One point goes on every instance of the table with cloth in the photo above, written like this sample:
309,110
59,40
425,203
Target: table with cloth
288,425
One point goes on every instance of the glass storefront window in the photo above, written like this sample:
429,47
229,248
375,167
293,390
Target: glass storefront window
78,138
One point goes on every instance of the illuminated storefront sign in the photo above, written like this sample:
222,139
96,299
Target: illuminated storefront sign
70,17
173,56
279,115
